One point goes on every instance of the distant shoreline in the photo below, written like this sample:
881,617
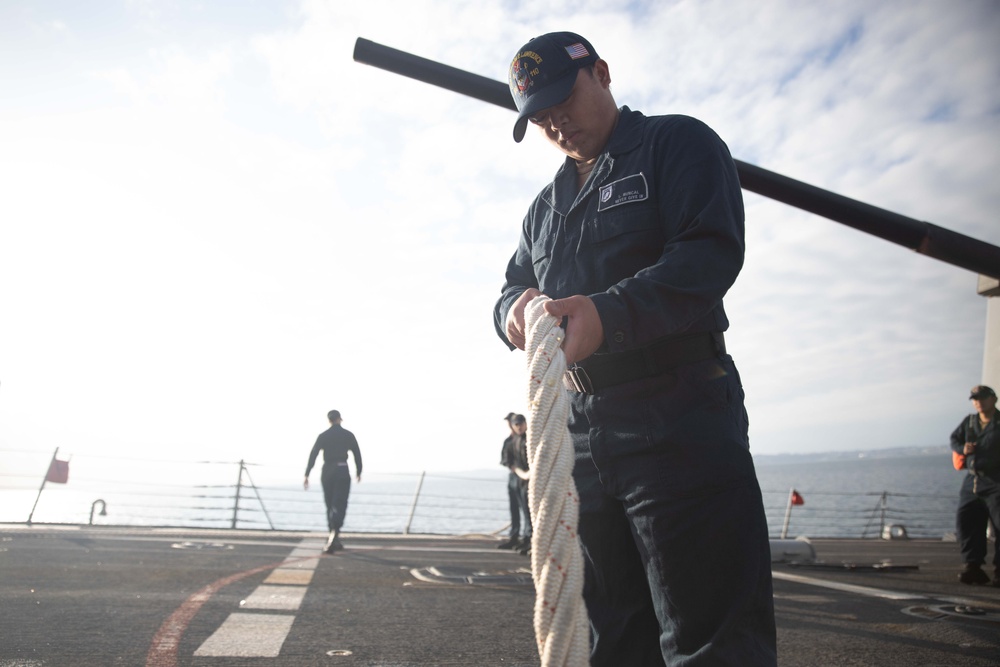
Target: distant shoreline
761,460
853,455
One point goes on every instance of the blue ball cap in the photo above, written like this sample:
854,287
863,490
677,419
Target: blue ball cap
981,391
543,72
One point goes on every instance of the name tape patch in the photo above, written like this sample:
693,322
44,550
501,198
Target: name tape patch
623,191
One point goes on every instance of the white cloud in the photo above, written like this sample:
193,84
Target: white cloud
219,234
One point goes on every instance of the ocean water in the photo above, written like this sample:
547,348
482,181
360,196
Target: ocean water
856,496
845,496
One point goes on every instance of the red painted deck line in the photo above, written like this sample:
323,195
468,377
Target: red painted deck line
163,649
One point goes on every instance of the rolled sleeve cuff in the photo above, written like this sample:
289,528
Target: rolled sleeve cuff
619,333
500,311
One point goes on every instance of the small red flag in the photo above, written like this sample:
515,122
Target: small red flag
797,499
58,472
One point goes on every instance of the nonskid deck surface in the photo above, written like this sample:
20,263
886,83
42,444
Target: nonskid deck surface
146,596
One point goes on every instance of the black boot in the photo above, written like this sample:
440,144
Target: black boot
973,574
511,543
333,543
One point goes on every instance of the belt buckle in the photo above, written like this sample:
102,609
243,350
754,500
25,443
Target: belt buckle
581,381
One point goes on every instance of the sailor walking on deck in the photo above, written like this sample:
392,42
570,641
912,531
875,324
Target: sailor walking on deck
335,443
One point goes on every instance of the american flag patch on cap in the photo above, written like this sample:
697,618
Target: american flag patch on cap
577,50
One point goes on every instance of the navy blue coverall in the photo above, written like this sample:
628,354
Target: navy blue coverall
335,442
672,523
979,498
514,453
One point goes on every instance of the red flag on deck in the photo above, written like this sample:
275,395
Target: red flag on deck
797,499
58,472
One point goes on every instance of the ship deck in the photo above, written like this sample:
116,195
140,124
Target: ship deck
80,595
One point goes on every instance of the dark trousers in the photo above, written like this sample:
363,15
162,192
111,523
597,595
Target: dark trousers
672,525
978,504
336,488
517,493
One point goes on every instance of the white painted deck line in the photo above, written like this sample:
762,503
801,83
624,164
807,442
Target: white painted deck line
290,577
283,598
351,546
301,563
261,635
248,636
848,588
307,550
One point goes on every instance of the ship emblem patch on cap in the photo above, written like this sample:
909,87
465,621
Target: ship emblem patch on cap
523,70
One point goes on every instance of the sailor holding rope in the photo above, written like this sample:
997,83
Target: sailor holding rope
635,242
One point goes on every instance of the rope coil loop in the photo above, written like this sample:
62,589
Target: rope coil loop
562,630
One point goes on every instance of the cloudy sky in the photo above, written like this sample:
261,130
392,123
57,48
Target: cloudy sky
215,225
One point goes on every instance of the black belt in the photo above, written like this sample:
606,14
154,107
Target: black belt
606,370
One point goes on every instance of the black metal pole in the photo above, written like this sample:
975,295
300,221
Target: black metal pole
42,487
444,76
236,501
923,237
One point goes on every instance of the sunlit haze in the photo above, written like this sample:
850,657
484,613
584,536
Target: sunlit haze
216,226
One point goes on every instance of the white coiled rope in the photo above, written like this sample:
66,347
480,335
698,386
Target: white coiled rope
561,626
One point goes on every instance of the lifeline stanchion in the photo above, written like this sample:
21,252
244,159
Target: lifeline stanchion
561,626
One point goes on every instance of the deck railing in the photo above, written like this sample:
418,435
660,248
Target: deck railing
241,495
